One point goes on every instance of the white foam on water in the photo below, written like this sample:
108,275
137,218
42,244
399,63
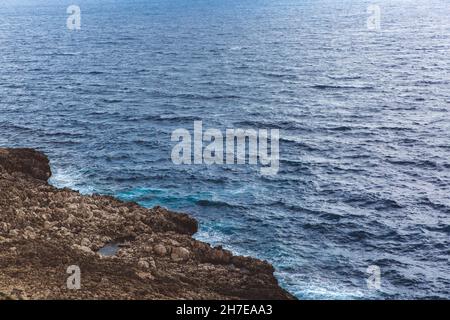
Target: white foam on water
63,178
304,287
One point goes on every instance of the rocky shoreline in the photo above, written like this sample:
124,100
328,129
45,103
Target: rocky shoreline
123,251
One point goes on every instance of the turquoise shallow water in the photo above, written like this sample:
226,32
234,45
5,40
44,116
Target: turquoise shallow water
364,117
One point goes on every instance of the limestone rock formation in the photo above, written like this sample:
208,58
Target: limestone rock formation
151,253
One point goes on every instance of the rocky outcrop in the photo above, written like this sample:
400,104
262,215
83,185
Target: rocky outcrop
45,230
28,162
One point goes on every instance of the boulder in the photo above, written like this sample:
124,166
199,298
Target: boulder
180,254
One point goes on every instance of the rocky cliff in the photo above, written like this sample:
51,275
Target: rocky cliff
123,251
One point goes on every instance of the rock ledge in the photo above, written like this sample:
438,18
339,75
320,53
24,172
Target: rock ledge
44,230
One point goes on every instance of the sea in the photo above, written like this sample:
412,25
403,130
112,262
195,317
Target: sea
358,89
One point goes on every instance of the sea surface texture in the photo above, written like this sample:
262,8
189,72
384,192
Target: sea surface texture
364,175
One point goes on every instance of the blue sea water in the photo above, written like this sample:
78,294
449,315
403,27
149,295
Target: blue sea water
364,117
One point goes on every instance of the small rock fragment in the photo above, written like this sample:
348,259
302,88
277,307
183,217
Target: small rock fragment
160,250
180,254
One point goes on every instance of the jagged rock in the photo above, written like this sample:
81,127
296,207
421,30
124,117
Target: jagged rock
84,249
85,242
44,230
179,254
151,262
145,275
160,250
144,264
27,161
29,233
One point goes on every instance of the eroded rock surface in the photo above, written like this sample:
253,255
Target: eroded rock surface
44,230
